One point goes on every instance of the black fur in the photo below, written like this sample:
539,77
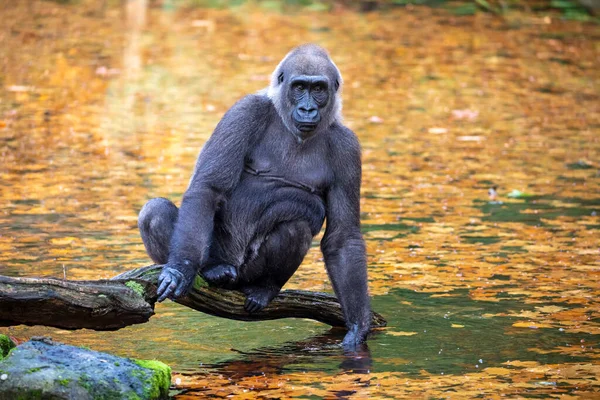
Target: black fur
262,187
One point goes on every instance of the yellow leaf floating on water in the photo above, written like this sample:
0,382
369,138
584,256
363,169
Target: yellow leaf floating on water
439,228
550,309
63,240
530,325
524,364
457,326
401,333
540,248
498,371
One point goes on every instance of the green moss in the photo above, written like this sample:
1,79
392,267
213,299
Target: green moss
85,382
199,282
30,395
136,287
117,364
32,370
64,382
6,345
160,380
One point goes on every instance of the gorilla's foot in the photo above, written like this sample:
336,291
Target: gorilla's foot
257,298
223,275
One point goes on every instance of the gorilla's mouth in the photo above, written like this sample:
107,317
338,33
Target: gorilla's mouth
306,126
306,122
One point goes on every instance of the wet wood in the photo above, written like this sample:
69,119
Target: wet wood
113,304
98,305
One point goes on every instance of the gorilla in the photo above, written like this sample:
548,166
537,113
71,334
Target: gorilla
277,165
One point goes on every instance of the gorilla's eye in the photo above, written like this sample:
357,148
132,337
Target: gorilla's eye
280,78
298,87
317,88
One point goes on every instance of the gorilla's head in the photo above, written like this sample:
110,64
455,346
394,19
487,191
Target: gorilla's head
305,89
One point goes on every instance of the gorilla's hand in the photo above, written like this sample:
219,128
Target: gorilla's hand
175,280
354,338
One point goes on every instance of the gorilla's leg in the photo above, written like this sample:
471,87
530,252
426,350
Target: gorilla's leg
156,222
278,258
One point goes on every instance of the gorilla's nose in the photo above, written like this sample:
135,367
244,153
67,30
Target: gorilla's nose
309,113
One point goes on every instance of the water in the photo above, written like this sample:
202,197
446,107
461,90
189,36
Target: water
104,108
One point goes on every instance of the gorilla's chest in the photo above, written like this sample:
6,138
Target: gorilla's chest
301,164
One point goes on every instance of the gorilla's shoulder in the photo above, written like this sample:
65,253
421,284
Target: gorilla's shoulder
344,138
257,103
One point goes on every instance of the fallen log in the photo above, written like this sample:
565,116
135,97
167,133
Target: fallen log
98,305
129,299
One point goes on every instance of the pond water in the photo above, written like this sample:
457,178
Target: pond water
103,106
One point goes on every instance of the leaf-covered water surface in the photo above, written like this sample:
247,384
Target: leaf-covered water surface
480,198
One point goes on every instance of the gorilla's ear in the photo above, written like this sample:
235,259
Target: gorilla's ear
280,78
337,85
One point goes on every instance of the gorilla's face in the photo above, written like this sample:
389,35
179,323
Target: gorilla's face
305,90
308,95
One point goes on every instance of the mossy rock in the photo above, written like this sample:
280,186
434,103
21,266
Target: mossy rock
42,369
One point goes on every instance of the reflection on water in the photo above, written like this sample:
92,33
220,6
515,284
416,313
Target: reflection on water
106,105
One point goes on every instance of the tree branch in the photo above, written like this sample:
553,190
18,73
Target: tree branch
129,299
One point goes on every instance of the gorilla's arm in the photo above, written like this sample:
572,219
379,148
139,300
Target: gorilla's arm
343,246
217,171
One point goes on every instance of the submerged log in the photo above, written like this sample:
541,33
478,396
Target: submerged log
129,299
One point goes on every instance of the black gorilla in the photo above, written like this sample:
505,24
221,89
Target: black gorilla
278,163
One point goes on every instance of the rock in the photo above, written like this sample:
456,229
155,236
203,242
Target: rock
43,369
